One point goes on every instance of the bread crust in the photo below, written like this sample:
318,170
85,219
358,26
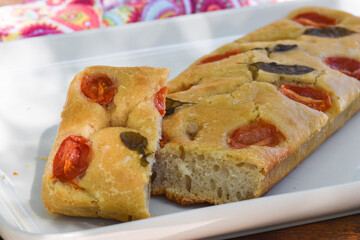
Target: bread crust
198,165
115,184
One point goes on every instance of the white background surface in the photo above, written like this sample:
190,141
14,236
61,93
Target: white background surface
34,78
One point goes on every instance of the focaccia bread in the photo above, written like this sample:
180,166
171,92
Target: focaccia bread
239,119
100,164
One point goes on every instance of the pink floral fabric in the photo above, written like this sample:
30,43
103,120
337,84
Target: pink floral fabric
118,12
42,17
37,18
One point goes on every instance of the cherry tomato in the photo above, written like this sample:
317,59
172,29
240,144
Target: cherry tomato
348,66
315,19
219,57
261,133
309,96
164,140
72,158
98,88
159,100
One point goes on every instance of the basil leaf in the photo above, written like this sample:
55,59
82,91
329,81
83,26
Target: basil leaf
172,104
132,140
136,142
284,48
278,48
283,69
143,161
267,49
330,32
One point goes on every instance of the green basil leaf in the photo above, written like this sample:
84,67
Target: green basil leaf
132,140
266,49
172,104
283,69
143,161
278,48
284,48
330,32
136,142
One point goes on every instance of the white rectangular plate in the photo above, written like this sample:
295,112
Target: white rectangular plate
34,78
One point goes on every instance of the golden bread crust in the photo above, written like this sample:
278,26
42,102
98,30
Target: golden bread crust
199,165
115,184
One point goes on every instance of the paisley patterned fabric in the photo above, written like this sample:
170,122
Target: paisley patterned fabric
42,17
142,10
37,18
118,12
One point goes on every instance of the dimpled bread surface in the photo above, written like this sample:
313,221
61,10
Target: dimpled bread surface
115,184
197,164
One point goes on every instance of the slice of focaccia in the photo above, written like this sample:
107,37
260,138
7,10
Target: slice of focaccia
239,119
100,164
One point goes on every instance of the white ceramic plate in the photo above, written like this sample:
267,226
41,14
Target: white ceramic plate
34,78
